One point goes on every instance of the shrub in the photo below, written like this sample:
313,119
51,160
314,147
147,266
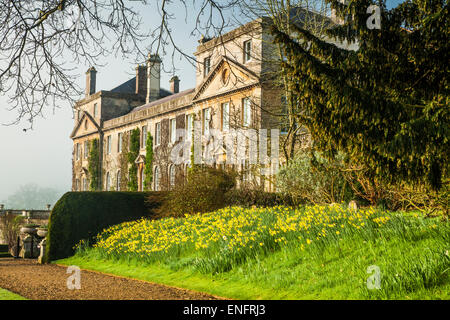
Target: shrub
203,191
82,215
314,179
249,197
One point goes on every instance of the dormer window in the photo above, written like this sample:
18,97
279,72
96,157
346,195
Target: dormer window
95,110
206,66
247,51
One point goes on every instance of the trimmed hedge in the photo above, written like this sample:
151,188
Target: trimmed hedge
82,215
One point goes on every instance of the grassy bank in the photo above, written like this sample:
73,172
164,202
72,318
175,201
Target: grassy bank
282,253
8,295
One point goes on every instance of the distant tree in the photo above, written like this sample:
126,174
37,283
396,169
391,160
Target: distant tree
132,155
32,196
386,105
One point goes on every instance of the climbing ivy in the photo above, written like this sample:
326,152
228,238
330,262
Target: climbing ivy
94,165
132,155
124,163
148,169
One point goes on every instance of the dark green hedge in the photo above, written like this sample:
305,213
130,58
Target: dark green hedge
82,215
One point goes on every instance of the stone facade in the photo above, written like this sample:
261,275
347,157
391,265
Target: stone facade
232,75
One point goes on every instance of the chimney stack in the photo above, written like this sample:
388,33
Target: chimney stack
141,80
153,77
90,81
175,84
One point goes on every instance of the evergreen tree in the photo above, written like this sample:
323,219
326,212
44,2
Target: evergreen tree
386,104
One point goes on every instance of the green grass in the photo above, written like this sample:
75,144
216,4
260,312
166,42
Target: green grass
8,295
412,254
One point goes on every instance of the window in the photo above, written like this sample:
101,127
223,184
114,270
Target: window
144,136
78,115
158,133
86,149
206,120
119,142
85,185
108,181
77,185
246,112
189,126
108,145
206,66
142,181
225,116
173,130
247,51
172,176
118,181
156,178
77,151
95,110
86,124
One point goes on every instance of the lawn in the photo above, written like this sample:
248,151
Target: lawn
8,295
314,252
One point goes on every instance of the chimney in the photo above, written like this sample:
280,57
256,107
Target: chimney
141,80
153,77
90,81
175,84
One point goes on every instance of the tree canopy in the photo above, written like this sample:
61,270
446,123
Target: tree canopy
385,104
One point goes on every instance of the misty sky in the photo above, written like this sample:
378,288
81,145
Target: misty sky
43,155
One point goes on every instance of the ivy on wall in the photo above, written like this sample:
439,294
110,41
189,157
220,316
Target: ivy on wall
123,159
132,155
94,165
148,169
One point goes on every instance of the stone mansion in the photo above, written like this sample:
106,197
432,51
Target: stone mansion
233,89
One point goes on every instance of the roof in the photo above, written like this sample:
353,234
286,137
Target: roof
163,100
129,86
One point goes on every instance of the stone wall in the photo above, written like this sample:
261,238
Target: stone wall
32,216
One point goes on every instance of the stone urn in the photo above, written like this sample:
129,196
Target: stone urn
28,230
42,232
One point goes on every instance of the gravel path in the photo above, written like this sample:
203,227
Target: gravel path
48,282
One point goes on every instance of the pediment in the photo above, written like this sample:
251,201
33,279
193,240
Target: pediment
140,159
227,75
85,125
